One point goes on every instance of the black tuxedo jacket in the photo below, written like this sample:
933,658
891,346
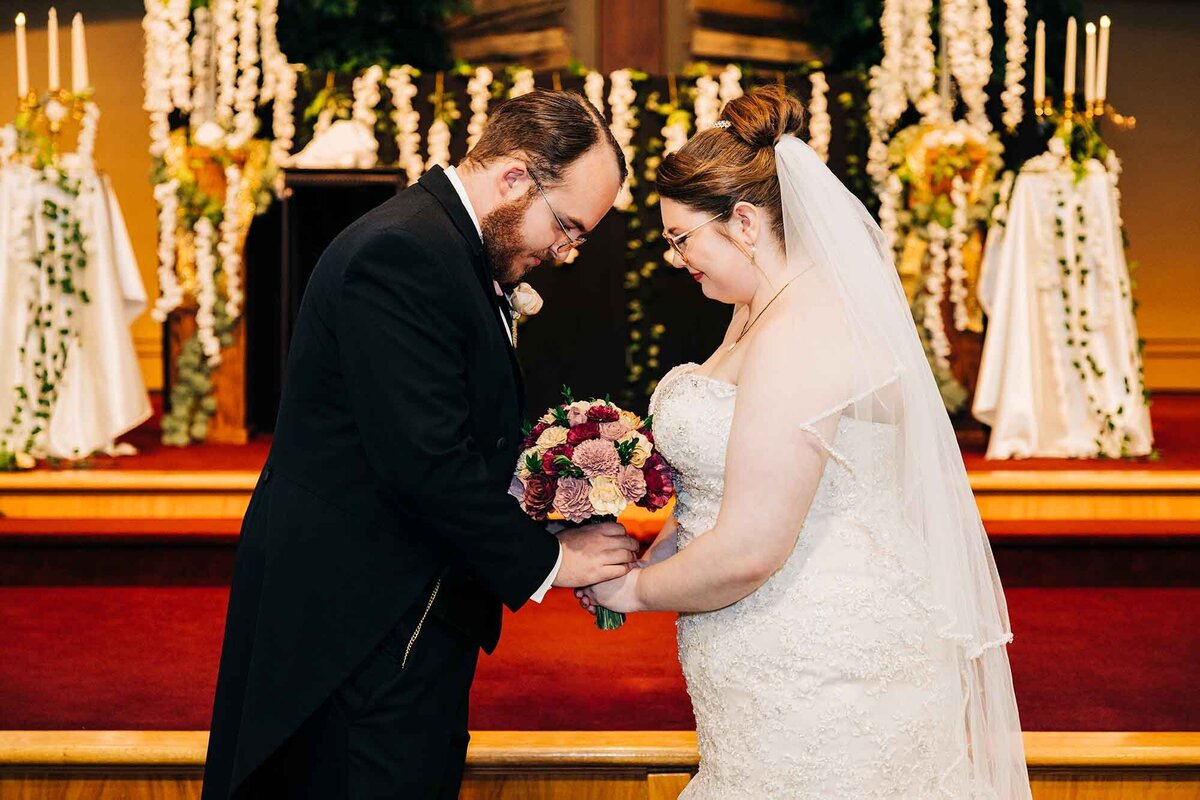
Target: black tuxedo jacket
398,432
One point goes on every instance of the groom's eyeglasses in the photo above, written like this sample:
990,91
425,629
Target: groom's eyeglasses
679,242
561,251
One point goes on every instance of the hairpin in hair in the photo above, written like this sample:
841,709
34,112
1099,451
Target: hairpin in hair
722,123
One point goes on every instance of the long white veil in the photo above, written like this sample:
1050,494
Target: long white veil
859,344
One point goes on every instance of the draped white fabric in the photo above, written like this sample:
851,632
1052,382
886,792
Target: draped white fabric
101,394
1029,391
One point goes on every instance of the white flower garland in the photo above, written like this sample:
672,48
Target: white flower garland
283,123
958,242
170,293
179,76
820,127
621,99
522,83
935,286
438,138
245,121
202,66
86,143
707,104
593,89
919,52
408,120
225,35
675,136
366,98
268,20
156,75
206,289
730,83
231,257
969,39
1015,52
479,88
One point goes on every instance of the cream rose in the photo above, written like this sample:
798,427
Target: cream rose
577,412
525,300
606,496
641,450
551,437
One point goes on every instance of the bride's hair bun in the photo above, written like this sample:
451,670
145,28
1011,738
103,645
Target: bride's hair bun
761,117
735,159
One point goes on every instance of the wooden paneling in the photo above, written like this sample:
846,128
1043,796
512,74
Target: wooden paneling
638,765
631,35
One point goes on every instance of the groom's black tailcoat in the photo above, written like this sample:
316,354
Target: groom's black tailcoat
397,436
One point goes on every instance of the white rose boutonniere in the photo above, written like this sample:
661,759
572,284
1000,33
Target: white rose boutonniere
525,300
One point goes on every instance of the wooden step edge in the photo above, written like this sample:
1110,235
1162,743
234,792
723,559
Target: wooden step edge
573,749
989,481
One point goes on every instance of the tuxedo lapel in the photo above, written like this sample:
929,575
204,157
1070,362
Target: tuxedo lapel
437,184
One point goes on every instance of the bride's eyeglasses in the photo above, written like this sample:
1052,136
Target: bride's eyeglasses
561,251
679,242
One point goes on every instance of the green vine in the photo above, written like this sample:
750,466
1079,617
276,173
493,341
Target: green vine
58,261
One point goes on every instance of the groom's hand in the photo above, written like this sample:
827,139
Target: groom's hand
594,554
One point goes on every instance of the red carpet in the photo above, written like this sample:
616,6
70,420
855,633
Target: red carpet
1175,417
146,658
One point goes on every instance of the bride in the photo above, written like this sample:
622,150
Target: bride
842,628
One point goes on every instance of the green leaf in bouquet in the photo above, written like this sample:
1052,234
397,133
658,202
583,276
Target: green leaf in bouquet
533,464
526,428
625,450
568,395
560,415
649,423
567,467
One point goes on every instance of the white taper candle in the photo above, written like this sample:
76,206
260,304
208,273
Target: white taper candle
52,39
1102,62
1069,66
1089,64
79,65
22,58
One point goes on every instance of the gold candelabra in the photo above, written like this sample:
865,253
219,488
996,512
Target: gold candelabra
40,118
1091,113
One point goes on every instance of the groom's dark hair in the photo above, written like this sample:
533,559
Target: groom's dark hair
550,130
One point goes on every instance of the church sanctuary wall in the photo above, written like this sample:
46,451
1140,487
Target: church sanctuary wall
1155,76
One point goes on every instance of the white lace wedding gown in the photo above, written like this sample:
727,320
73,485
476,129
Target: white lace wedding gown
829,681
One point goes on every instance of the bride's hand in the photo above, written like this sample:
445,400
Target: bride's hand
619,594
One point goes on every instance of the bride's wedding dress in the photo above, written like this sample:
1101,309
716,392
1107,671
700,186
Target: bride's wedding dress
829,681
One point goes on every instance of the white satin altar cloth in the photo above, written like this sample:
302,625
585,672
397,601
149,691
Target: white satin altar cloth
101,393
1030,392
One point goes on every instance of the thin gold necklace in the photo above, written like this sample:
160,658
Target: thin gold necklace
750,323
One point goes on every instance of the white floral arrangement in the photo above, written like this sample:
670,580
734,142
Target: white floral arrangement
479,89
522,83
362,111
203,101
407,120
730,84
959,233
206,289
1015,52
593,89
621,99
935,286
225,31
229,245
707,105
820,126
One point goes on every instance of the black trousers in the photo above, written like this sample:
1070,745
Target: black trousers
385,732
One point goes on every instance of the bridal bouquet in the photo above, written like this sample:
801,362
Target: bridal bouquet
587,460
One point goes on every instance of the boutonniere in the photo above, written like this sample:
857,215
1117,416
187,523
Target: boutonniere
525,301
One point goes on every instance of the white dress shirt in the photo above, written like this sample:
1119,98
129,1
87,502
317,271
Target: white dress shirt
457,183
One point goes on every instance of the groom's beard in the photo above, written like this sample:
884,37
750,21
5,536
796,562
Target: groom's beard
504,242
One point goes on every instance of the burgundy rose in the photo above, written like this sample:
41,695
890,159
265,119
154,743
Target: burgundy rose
534,433
583,432
647,433
602,413
659,486
539,495
548,458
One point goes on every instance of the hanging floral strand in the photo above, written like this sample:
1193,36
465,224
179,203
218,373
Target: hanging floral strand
407,120
820,127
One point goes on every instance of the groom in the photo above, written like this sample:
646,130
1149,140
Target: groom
380,542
